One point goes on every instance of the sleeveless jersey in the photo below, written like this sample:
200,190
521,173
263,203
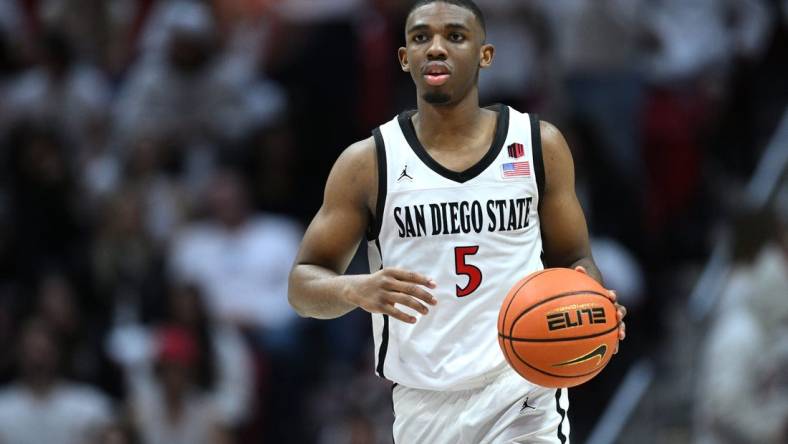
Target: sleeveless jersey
475,233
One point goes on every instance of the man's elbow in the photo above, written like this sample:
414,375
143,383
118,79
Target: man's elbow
293,297
300,311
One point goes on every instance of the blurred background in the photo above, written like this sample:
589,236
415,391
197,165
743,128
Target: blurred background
159,160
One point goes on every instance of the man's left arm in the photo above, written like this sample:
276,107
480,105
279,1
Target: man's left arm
564,231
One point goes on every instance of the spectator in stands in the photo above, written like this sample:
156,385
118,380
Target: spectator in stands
40,406
63,91
598,46
694,45
89,24
225,365
149,161
57,305
126,264
742,388
524,54
222,365
177,90
170,407
240,259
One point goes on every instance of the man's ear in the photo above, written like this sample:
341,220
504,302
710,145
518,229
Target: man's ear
402,54
487,55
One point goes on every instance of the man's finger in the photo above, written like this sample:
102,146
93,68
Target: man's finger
415,291
397,314
622,311
581,269
409,301
622,332
412,276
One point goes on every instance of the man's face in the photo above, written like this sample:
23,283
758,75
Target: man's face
445,49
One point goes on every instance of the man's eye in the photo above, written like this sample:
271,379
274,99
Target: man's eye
419,38
456,37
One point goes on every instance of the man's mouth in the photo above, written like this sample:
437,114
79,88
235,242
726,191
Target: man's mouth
436,74
436,79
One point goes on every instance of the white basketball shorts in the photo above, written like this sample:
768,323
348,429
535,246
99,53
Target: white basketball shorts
508,409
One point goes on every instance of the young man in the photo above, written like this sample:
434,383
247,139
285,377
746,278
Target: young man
458,202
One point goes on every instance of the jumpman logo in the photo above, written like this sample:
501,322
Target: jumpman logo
526,406
405,174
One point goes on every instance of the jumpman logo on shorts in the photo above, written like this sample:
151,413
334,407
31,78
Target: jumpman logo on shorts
405,174
526,406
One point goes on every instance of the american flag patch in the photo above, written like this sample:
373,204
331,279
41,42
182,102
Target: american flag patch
516,169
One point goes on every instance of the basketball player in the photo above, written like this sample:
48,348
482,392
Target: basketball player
457,203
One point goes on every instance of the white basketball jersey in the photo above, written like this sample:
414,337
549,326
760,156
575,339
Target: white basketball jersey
475,233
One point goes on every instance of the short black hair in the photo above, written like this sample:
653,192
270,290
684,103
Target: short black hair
467,4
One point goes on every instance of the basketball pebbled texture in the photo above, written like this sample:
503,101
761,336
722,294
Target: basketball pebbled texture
557,328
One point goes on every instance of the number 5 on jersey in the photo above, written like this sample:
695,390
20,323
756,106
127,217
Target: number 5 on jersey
462,268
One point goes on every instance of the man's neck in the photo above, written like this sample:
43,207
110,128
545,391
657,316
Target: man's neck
448,125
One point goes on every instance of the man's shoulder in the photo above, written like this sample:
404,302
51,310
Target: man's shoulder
551,137
353,177
362,147
357,158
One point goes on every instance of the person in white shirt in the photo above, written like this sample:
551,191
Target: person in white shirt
40,407
238,258
170,408
741,390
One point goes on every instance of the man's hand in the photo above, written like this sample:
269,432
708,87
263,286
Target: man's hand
379,291
621,311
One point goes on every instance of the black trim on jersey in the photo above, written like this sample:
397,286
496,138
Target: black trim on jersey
501,130
384,336
380,252
562,412
536,147
377,218
384,346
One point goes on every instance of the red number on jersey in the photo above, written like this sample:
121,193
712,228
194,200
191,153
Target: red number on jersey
463,268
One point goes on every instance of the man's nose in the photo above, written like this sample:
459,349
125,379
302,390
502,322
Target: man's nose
437,49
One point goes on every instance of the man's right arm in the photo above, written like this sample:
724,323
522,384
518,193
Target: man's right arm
317,287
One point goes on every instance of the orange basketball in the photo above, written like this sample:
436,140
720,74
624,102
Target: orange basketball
557,328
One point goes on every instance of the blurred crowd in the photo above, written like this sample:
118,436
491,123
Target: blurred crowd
160,158
746,399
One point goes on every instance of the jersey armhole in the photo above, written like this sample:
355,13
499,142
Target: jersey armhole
536,144
380,203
